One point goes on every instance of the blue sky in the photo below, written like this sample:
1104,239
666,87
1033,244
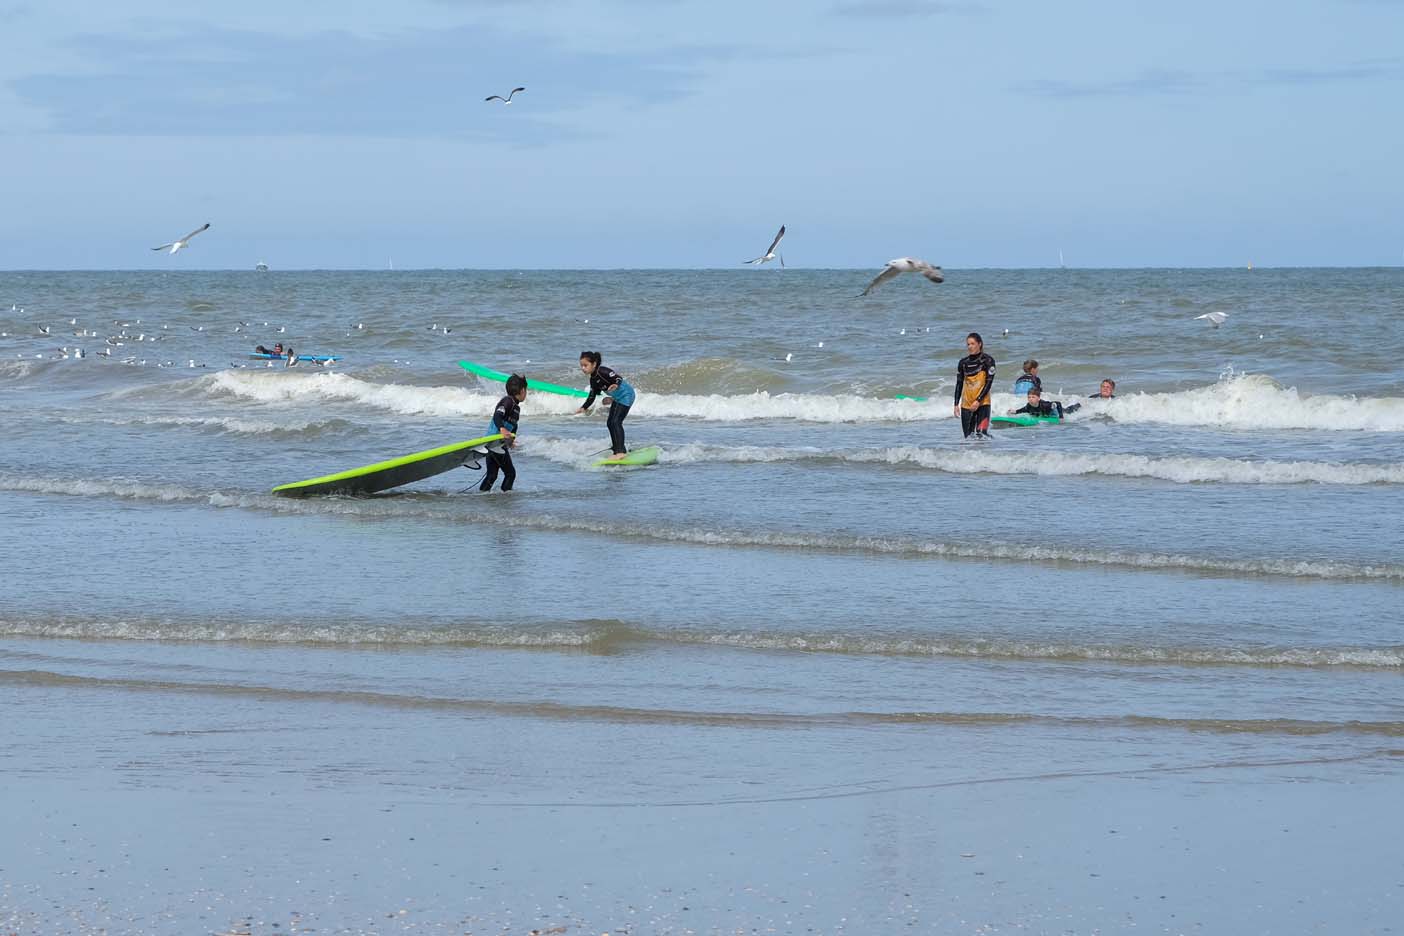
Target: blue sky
680,133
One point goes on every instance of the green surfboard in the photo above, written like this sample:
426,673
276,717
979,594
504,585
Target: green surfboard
1021,419
643,456
541,385
384,475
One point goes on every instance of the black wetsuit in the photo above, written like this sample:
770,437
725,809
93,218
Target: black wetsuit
508,412
974,382
1048,408
1027,382
600,381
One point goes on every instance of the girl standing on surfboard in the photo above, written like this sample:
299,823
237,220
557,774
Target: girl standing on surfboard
613,385
974,381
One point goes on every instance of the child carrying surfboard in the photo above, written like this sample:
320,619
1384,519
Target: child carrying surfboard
504,420
620,392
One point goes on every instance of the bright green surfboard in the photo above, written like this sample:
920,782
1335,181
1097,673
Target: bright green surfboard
381,476
643,456
1021,419
500,377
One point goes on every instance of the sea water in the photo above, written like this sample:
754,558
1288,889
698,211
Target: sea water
820,591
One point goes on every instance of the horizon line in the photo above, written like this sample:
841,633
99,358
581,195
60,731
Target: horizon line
669,269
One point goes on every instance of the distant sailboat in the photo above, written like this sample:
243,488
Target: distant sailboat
261,267
1061,264
392,263
1250,266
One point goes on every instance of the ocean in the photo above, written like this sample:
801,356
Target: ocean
825,667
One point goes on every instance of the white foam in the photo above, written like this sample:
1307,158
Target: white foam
966,460
702,536
231,424
1245,402
301,630
1012,648
595,633
410,400
1252,401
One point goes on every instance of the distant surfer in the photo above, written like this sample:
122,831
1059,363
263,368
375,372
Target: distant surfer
974,382
1028,380
504,420
620,392
1038,406
1107,390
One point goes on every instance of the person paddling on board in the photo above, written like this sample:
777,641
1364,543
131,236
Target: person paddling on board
1028,380
504,420
620,392
1037,406
974,382
1108,389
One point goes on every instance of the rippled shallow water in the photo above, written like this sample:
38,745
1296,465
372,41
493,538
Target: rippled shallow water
818,588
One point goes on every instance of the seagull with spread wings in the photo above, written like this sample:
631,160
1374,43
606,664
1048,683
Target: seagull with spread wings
1213,318
769,254
184,241
504,100
906,265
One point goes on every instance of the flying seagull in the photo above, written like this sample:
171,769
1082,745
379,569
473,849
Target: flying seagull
504,100
1213,318
906,265
184,241
769,254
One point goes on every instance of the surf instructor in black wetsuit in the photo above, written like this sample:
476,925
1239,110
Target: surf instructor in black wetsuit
974,383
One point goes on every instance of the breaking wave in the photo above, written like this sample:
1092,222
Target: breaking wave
1239,402
1179,469
446,510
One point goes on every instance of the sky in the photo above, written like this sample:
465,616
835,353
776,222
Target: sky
682,133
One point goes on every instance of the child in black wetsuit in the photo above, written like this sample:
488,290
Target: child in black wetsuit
504,420
1028,380
1037,406
613,385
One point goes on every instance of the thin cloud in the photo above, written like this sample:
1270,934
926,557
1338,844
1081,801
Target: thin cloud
1151,82
905,9
425,84
1373,70
1167,82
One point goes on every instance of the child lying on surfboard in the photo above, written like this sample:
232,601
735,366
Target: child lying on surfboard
1037,406
620,393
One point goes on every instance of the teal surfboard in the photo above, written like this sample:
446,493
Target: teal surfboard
643,456
1021,419
301,358
914,399
368,479
500,377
